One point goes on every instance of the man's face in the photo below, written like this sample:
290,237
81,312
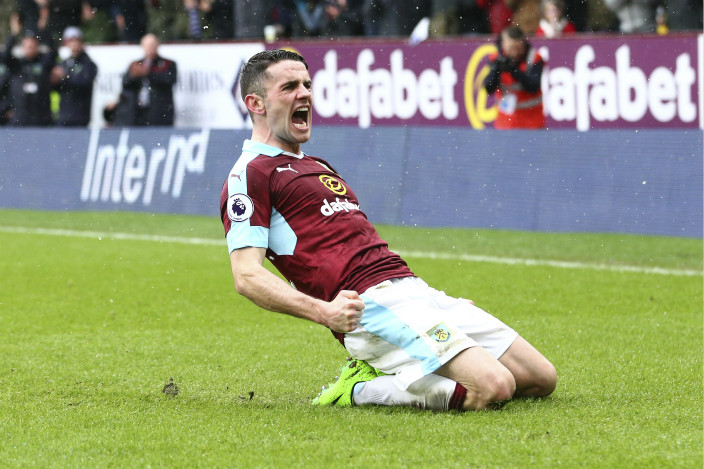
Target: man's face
513,48
30,47
288,104
75,45
150,44
552,12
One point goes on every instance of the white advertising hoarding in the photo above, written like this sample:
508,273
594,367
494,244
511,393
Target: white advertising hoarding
203,94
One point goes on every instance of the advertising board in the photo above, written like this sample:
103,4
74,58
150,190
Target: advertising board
589,82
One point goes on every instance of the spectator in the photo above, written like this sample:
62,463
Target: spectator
5,102
30,84
526,14
62,14
553,22
195,20
635,16
474,18
661,27
73,79
310,16
455,17
514,76
251,16
169,19
598,17
98,21
684,15
344,18
219,18
209,19
29,14
131,19
577,11
282,17
393,17
6,9
498,12
147,89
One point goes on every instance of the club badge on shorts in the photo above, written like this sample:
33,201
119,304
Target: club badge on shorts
239,207
440,333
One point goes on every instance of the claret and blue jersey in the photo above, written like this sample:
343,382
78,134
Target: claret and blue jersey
308,219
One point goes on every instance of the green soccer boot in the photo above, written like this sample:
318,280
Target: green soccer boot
339,393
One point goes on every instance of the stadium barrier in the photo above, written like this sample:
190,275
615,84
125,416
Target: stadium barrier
647,182
589,82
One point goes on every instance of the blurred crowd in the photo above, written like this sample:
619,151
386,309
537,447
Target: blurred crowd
38,88
127,21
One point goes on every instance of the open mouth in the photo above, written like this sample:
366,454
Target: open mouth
300,117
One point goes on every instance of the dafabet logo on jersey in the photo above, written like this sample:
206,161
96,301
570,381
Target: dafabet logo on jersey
239,207
328,208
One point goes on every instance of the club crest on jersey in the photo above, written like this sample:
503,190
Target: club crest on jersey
440,333
239,207
334,184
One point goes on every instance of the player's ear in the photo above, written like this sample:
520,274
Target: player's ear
255,104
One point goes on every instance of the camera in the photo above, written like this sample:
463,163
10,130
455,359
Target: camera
505,64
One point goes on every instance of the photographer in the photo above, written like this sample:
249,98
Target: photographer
515,79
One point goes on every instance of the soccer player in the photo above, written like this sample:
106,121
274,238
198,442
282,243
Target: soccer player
411,345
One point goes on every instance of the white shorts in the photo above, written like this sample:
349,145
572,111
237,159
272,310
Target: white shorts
409,329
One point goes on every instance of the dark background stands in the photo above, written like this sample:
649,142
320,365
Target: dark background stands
5,102
684,14
457,17
393,17
128,20
62,14
132,20
251,16
219,17
344,18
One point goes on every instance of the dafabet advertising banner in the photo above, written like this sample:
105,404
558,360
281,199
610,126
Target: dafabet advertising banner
589,82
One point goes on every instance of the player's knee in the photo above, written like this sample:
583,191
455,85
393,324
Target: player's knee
494,387
501,387
546,380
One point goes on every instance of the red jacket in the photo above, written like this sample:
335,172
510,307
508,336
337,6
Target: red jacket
545,29
518,93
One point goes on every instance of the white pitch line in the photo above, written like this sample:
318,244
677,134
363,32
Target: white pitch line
100,235
549,263
417,254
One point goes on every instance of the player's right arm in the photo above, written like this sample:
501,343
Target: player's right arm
265,289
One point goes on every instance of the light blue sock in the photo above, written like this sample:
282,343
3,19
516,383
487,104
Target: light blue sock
358,387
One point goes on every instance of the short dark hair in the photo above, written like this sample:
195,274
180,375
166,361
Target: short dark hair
254,71
514,32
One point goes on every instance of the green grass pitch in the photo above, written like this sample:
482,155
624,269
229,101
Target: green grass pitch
99,311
